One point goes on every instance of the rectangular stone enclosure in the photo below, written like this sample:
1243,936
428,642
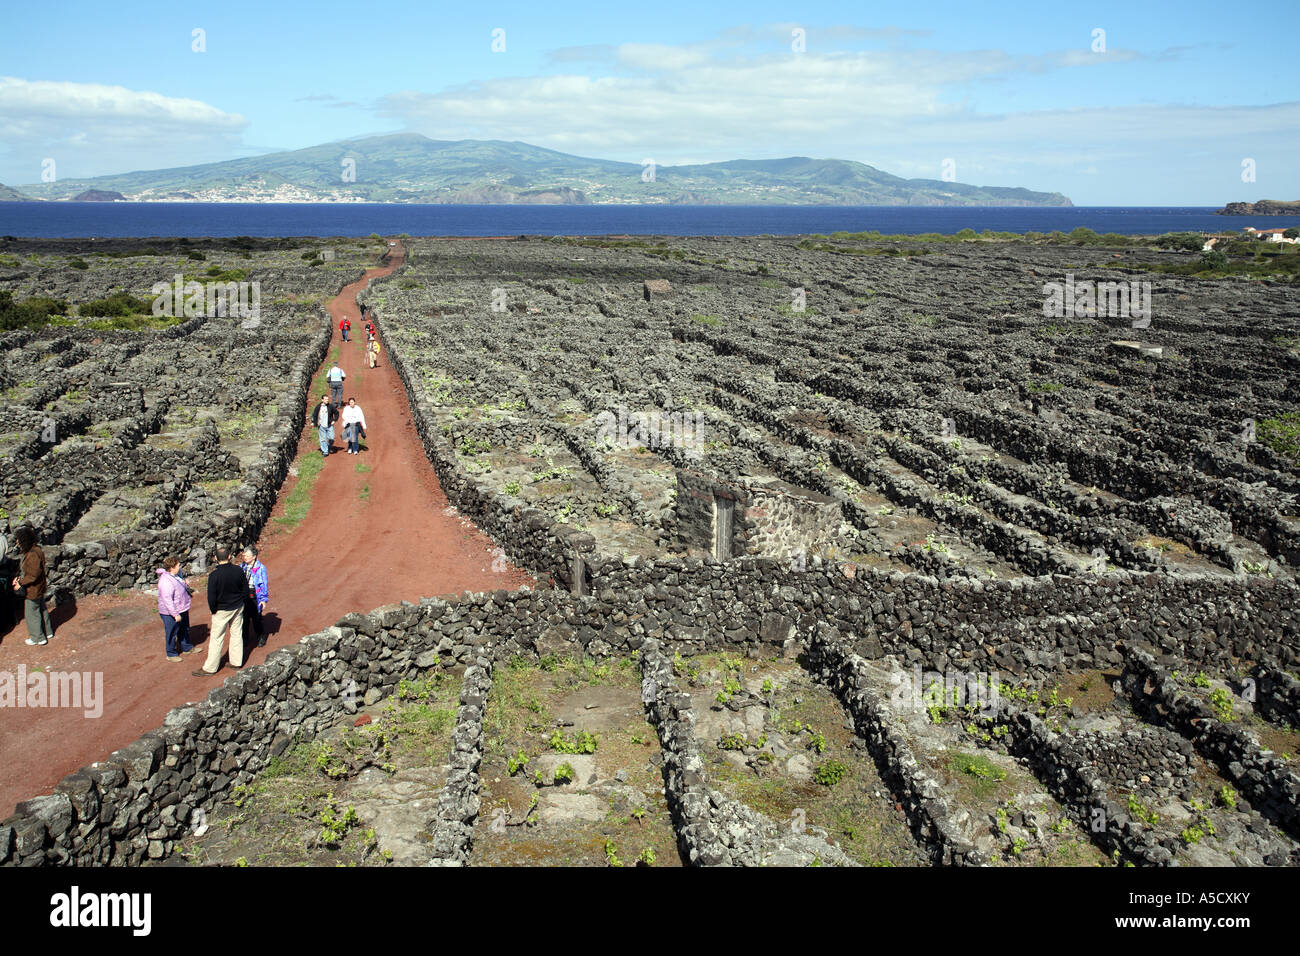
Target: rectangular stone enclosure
752,516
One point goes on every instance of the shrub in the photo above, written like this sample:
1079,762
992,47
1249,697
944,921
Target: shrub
119,304
830,773
219,274
978,766
581,743
516,763
1185,241
1221,704
33,313
1281,434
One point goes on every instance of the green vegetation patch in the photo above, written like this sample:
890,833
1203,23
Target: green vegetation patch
1281,434
32,313
299,809
117,305
978,773
298,502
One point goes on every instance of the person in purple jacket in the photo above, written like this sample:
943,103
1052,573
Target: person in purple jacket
258,596
174,609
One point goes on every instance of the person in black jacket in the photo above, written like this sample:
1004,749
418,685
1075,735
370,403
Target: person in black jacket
323,417
227,589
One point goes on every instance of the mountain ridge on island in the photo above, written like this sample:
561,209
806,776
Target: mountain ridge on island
411,168
9,194
1265,207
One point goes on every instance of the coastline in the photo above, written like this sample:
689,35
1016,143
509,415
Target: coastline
57,219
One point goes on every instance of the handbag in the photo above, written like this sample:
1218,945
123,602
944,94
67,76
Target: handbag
331,433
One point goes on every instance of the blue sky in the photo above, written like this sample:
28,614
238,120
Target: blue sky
1013,93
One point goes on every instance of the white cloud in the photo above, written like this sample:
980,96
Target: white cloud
659,57
91,129
682,103
94,102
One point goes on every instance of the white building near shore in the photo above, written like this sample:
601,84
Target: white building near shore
1269,235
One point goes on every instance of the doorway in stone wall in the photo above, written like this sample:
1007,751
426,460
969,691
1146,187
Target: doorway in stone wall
724,518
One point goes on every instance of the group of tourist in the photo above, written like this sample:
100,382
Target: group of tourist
237,599
372,340
237,593
332,409
329,411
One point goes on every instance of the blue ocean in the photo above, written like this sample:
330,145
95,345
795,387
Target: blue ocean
69,219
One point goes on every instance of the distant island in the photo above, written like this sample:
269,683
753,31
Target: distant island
1265,207
98,195
410,168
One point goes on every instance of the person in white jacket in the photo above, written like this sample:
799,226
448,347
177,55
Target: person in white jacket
354,426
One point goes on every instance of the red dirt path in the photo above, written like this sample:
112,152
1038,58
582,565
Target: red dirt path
348,554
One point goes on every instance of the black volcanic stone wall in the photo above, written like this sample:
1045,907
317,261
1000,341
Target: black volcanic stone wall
1272,787
128,560
835,664
712,829
458,804
1022,626
138,802
1278,694
135,804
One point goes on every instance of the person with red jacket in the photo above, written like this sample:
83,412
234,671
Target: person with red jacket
345,326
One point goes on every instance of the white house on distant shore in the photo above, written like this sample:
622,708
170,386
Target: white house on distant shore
1269,235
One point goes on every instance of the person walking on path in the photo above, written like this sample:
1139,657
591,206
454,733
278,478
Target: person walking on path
323,417
345,326
354,423
226,592
258,595
372,351
174,609
335,376
31,581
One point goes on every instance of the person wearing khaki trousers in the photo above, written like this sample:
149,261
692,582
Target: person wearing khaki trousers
227,590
